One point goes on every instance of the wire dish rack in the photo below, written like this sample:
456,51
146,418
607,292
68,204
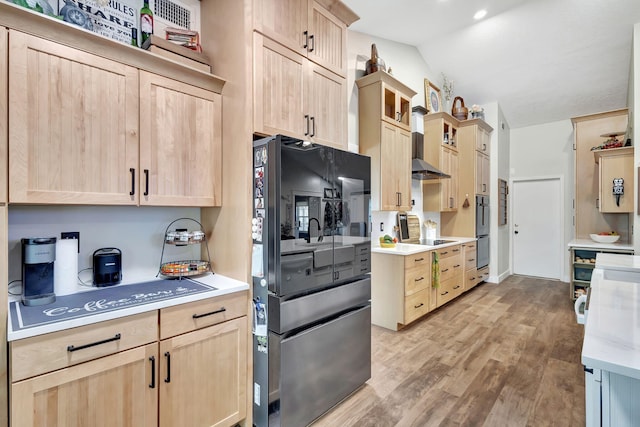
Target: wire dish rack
184,237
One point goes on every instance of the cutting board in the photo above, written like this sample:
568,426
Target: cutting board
414,229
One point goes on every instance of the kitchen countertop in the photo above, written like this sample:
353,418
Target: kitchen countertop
618,262
411,248
220,285
590,244
612,330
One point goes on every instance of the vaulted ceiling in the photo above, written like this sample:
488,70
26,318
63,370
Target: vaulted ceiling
541,60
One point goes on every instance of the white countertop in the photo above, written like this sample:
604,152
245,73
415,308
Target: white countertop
612,330
618,262
224,285
411,248
590,244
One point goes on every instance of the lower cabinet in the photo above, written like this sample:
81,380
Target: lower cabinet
117,373
471,276
451,267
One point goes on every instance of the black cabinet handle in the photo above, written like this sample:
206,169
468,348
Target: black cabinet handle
73,348
146,182
197,316
153,372
313,126
167,355
419,279
444,253
456,266
419,305
306,117
456,250
588,370
133,181
306,39
445,270
313,43
419,259
456,287
445,293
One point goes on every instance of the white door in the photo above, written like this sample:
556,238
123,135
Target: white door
537,228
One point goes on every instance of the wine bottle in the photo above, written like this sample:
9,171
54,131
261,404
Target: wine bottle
134,37
146,22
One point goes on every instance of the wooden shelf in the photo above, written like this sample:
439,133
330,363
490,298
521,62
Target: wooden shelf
611,152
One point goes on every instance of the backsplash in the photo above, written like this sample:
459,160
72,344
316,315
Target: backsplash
137,231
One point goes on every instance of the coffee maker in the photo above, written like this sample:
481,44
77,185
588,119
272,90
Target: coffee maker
38,255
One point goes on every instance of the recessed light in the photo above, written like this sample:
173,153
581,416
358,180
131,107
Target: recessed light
480,14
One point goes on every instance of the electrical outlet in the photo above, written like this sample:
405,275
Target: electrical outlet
71,235
413,202
382,226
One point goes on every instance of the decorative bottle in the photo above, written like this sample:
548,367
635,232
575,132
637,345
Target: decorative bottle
146,22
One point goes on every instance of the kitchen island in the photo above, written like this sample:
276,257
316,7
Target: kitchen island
611,349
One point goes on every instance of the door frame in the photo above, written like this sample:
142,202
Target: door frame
563,255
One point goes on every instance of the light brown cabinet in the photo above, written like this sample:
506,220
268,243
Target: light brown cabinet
386,141
306,27
400,289
471,276
615,164
180,143
197,377
449,187
153,150
296,97
483,170
4,244
441,150
451,265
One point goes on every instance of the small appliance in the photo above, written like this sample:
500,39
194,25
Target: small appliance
38,256
107,267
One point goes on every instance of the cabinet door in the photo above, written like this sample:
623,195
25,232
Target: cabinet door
396,107
482,173
107,392
482,141
449,186
180,143
4,244
204,375
284,21
73,125
327,43
395,168
278,85
4,108
327,106
613,167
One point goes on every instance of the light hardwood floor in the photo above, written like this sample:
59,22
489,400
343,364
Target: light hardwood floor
499,355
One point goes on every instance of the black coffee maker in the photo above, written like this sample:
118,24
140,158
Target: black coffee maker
38,256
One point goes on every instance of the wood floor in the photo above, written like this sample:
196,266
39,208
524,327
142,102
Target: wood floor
499,355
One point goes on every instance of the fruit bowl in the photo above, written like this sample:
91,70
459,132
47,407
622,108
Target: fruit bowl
606,238
387,245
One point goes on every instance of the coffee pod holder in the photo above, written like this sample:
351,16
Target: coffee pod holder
183,237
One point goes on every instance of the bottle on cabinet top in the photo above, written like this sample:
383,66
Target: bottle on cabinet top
146,22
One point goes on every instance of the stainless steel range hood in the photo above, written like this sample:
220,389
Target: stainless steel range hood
420,169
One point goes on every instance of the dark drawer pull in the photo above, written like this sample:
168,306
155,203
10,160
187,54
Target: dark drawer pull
197,316
473,278
456,266
72,348
168,356
445,270
146,182
444,253
418,259
364,260
133,181
445,293
471,259
419,305
364,269
456,287
153,372
418,279
456,250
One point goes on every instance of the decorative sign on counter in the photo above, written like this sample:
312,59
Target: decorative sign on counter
111,18
100,301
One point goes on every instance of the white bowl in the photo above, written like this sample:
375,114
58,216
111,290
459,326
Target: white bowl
604,239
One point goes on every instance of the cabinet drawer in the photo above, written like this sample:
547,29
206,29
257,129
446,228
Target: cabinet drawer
416,279
416,306
184,318
470,278
450,267
45,353
421,259
583,272
448,290
470,258
482,274
449,251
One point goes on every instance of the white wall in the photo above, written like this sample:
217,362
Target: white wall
547,151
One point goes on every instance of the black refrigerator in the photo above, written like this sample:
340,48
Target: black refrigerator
311,279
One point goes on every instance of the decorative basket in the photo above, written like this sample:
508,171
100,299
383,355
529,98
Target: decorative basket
460,112
184,268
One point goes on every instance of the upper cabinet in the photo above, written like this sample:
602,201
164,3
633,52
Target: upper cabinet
441,150
387,141
4,107
84,129
615,179
180,143
73,125
299,69
306,27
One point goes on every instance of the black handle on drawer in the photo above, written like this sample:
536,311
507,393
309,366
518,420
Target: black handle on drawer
444,253
146,182
419,305
445,293
73,348
197,316
445,270
133,181
167,355
456,287
152,359
456,250
456,266
419,279
418,259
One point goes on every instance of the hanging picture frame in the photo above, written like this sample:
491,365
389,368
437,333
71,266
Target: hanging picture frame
432,98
